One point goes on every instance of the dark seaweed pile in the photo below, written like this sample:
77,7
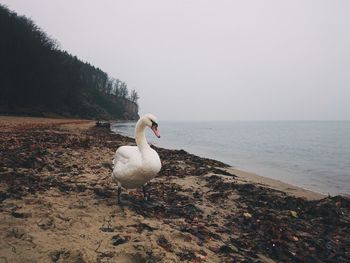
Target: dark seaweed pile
258,221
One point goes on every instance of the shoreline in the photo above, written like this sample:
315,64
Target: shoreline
251,177
58,204
301,171
244,175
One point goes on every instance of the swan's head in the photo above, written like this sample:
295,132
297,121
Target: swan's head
151,121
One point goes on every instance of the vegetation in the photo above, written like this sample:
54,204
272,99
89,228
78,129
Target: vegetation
36,77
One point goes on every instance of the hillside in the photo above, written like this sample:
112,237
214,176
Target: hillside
37,78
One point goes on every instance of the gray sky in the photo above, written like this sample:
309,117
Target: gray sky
213,60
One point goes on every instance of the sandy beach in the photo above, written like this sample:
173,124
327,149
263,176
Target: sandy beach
58,204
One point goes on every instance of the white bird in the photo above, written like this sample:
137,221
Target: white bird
134,166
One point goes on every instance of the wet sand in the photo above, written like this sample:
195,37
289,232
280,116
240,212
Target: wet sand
247,177
58,204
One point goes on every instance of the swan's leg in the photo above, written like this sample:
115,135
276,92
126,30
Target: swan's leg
144,190
119,192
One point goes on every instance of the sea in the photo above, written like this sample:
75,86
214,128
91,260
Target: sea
314,155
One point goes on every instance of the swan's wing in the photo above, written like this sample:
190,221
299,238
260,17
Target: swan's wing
126,159
124,154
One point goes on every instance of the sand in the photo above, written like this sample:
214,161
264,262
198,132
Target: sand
247,177
58,204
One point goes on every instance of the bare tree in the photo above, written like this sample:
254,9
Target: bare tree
134,97
123,90
116,88
109,86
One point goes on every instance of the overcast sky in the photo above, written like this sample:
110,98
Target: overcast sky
213,60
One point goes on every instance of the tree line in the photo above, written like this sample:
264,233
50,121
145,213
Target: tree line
120,89
36,74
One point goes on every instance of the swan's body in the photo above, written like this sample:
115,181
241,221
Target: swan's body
134,166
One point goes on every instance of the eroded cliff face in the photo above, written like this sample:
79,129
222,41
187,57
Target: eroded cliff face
131,110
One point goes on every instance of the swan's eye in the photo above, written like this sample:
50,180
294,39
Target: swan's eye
154,124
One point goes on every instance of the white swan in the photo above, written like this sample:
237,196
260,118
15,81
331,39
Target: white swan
136,165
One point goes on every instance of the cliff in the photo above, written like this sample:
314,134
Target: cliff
39,79
131,109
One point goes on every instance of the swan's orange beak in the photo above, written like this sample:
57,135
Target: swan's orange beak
155,131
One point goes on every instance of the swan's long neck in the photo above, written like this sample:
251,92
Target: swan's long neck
140,136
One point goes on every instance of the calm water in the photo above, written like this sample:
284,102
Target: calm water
313,155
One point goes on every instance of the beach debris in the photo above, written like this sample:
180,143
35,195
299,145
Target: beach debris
103,193
19,233
294,214
106,229
188,255
164,243
142,227
64,255
103,124
247,215
118,240
18,214
55,255
46,223
228,248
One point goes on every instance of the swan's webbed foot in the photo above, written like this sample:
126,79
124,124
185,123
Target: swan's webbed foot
144,190
119,191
